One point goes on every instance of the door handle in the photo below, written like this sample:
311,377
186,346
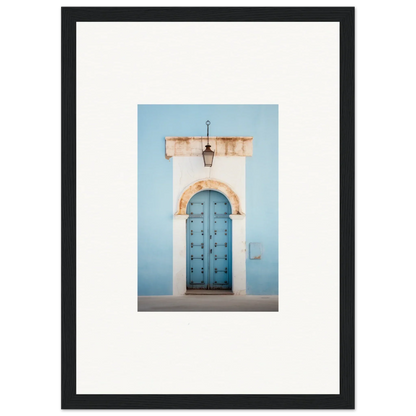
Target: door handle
210,251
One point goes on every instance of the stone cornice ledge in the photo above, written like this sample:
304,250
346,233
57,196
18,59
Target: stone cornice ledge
180,216
237,216
221,145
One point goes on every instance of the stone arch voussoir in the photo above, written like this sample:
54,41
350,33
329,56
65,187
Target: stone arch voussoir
209,184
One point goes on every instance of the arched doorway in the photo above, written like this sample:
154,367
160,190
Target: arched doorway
208,242
212,184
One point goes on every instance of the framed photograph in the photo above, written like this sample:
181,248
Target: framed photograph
208,208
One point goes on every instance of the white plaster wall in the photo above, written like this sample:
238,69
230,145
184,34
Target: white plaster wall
239,254
231,171
179,253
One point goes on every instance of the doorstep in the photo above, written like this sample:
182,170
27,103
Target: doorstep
208,292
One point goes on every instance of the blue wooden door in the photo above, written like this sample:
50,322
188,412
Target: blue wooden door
208,241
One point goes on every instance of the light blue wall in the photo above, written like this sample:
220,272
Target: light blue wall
262,201
155,187
154,205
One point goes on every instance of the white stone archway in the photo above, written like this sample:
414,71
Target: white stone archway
209,184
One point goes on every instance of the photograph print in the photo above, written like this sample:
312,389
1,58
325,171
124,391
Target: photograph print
208,208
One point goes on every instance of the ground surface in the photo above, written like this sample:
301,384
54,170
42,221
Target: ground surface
195,303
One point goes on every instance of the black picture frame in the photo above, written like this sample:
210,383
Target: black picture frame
345,17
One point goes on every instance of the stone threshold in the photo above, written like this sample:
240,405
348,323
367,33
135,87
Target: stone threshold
208,292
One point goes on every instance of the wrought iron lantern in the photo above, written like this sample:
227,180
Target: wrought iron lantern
208,154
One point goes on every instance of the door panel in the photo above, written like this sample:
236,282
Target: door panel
219,229
209,241
197,208
196,248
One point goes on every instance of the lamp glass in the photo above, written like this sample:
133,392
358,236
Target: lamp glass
208,156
